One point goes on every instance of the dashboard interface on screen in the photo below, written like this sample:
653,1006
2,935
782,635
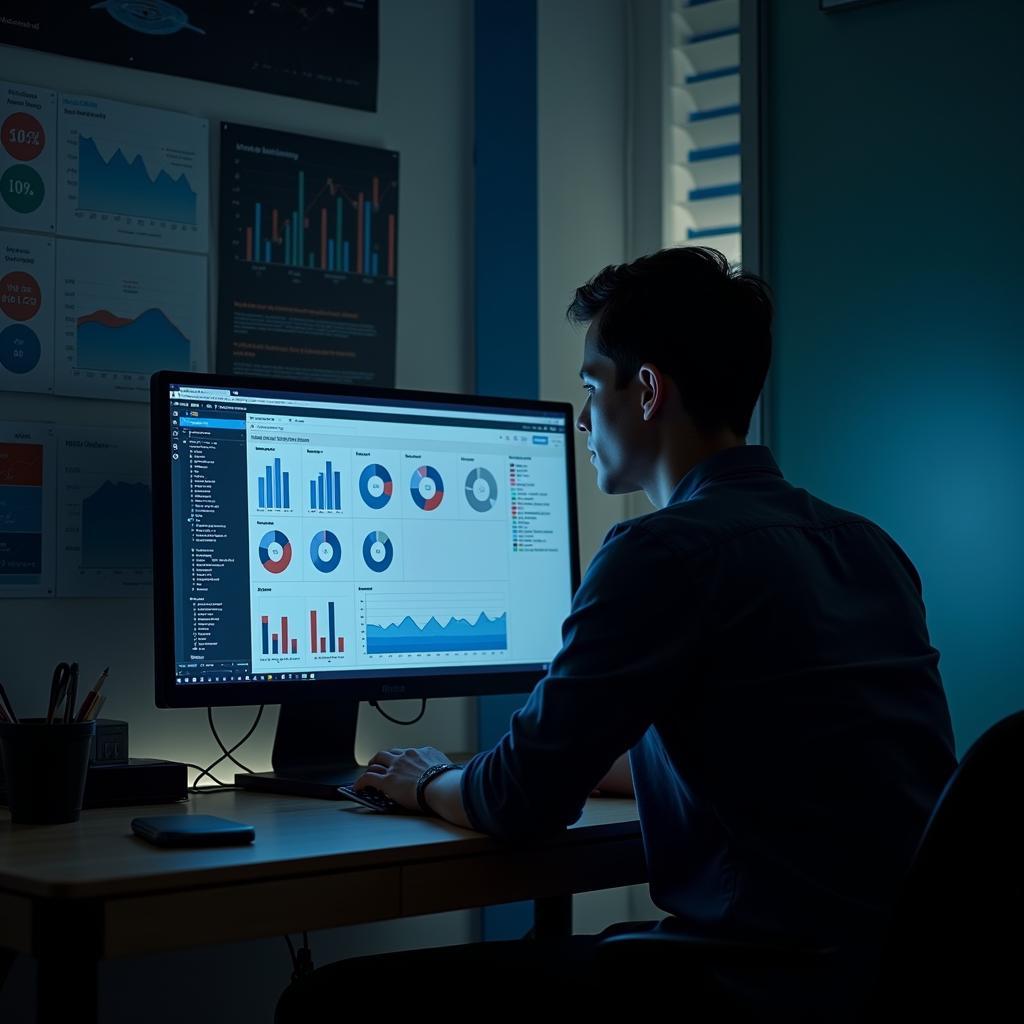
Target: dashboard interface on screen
316,536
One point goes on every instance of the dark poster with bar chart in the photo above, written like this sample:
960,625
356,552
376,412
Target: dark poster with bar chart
308,258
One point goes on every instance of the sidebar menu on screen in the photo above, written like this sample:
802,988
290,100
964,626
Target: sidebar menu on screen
210,543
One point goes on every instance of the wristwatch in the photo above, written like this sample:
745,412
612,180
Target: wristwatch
426,778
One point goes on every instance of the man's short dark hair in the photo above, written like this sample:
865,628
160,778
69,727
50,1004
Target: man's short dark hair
702,324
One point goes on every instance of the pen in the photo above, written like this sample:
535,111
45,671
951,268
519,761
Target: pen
8,707
90,698
58,687
94,708
69,706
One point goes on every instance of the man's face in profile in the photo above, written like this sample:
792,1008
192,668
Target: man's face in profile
611,417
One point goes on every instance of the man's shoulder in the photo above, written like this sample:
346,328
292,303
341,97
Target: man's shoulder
718,517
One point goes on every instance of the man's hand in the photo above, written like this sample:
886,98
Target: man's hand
395,772
618,781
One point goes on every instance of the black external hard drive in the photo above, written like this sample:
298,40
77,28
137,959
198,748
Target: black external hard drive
193,830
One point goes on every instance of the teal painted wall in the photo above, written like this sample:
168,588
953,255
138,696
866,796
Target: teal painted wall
896,250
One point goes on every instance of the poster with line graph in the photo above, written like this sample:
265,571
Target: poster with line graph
104,512
28,157
308,261
126,313
133,174
26,312
27,508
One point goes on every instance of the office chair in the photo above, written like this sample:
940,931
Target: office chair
955,942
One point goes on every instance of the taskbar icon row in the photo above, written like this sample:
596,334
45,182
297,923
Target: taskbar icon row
245,678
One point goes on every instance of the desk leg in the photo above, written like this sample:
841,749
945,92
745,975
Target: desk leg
67,951
552,917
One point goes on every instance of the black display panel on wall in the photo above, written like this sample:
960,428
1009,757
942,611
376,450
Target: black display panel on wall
318,51
308,258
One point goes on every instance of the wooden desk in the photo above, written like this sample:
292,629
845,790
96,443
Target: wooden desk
71,895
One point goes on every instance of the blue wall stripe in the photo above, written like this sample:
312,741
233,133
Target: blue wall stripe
505,267
713,152
703,37
733,229
714,192
706,76
707,115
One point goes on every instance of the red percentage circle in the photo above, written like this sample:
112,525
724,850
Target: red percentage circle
23,136
20,297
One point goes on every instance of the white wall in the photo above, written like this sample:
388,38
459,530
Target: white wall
586,222
424,112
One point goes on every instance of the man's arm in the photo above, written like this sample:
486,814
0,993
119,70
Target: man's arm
444,797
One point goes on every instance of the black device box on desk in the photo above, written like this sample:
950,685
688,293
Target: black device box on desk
114,779
140,780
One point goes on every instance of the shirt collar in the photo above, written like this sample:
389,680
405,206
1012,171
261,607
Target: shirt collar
742,461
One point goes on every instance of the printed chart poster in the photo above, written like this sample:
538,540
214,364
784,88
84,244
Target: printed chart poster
26,312
308,258
28,157
26,510
104,513
126,313
133,174
318,51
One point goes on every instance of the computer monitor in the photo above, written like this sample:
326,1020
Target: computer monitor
315,546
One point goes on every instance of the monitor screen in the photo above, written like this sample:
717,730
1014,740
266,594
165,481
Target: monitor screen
367,542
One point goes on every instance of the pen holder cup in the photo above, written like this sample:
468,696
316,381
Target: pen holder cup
45,768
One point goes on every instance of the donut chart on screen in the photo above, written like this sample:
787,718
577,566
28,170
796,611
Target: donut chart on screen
275,551
375,485
325,551
427,487
378,551
481,489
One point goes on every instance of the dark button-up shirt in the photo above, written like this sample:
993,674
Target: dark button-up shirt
764,658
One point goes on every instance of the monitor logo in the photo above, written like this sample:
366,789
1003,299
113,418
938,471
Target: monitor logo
392,690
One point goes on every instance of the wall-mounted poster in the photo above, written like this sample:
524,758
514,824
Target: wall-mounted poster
28,148
314,50
26,509
308,258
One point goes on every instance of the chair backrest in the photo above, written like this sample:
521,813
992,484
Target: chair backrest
955,937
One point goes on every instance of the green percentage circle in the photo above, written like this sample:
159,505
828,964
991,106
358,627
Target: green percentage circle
22,188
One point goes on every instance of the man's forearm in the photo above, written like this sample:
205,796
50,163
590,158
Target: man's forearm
444,797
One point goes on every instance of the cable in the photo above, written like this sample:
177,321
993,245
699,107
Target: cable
226,755
302,960
220,742
206,771
398,721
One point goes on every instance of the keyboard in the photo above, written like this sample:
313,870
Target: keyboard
370,797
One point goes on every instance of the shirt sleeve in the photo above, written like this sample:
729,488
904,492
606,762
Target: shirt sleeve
623,659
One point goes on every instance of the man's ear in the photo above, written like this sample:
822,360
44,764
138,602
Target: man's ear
652,389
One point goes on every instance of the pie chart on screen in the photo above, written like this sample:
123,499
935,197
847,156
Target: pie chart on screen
325,551
378,551
275,551
375,485
427,487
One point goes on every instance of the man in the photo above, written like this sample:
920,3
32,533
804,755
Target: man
760,656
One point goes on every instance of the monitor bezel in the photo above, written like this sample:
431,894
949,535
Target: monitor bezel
355,686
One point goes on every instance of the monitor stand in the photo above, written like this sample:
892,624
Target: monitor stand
314,751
